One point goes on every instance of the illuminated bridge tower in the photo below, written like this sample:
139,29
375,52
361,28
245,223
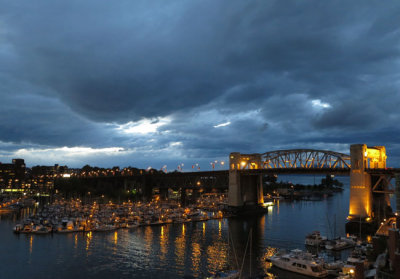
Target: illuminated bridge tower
363,185
244,189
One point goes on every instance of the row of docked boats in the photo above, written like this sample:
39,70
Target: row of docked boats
15,204
305,263
315,239
73,216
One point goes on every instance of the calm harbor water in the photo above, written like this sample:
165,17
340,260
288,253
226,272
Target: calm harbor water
171,251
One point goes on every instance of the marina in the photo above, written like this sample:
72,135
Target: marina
200,240
74,216
193,249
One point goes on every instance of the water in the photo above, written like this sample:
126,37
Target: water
170,251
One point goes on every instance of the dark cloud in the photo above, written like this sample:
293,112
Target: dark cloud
283,74
36,119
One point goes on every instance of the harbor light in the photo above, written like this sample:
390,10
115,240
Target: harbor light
266,204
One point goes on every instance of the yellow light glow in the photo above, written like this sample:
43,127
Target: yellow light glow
30,244
88,238
196,257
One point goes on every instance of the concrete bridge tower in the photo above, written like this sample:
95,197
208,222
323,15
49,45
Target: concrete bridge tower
361,190
244,189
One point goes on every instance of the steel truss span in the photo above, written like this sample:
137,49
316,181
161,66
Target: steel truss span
305,158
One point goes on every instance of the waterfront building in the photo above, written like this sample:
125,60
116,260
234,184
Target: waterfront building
13,176
42,177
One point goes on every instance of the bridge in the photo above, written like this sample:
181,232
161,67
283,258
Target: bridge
369,177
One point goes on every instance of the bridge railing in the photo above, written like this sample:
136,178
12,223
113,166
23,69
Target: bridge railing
296,158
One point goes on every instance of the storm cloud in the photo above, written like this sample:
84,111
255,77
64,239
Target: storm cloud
153,82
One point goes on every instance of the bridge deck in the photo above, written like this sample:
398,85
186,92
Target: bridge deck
270,171
388,171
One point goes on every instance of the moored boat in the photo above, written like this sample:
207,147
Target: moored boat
18,228
232,274
339,244
105,228
299,262
27,228
315,239
40,229
66,226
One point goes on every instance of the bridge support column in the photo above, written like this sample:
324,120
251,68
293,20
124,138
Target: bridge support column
235,191
360,184
126,184
361,192
260,191
244,190
148,188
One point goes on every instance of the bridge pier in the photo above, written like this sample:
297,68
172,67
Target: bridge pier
245,190
369,188
360,184
235,190
368,194
147,187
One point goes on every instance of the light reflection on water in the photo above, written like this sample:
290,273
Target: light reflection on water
169,251
30,244
163,242
196,255
180,251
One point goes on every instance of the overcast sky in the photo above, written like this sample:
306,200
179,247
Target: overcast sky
154,83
